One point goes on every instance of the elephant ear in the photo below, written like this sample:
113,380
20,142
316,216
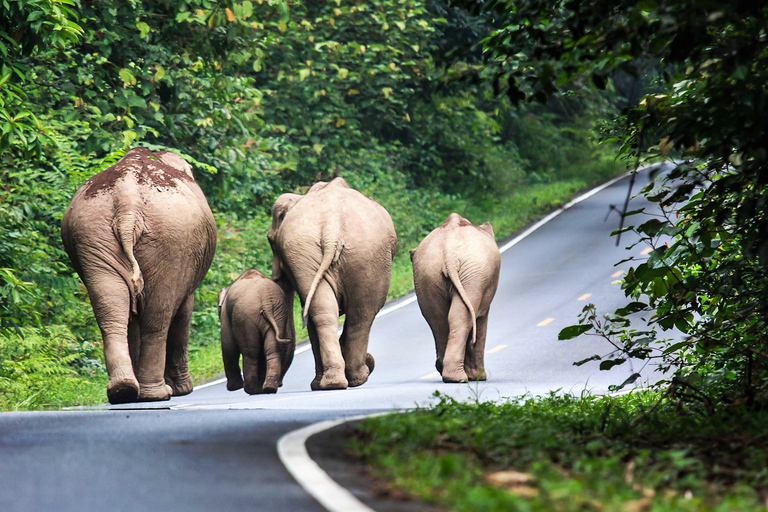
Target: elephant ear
277,270
487,228
176,161
222,298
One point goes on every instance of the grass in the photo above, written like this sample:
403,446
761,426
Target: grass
565,453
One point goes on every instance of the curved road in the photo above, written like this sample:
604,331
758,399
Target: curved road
214,450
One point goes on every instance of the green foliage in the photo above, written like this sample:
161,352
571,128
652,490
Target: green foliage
45,368
569,454
705,276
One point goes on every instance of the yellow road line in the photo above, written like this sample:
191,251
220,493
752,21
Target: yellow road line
433,374
585,296
496,349
618,273
646,251
546,321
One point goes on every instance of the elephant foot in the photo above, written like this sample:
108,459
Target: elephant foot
266,389
123,390
458,375
358,377
476,375
155,392
180,384
235,384
330,380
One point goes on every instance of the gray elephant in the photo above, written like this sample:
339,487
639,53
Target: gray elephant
334,246
456,273
254,314
141,236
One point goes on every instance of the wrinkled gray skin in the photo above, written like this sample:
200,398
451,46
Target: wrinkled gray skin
141,236
456,273
256,322
334,246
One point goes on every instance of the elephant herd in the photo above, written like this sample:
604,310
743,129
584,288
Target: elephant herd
141,236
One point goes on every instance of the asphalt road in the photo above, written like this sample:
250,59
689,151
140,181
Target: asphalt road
214,450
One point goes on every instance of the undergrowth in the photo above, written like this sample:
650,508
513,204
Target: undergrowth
565,453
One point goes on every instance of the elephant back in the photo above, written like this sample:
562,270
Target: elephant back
146,205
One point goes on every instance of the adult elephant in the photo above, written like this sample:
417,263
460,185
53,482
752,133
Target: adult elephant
141,236
455,274
334,246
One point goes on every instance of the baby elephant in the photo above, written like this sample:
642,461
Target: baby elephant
455,273
256,321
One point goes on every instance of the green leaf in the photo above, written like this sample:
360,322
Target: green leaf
143,29
127,76
573,331
159,72
247,10
610,363
584,361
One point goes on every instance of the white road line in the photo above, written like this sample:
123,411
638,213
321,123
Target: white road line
519,238
292,450
209,384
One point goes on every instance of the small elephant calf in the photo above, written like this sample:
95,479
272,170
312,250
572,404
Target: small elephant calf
456,273
257,322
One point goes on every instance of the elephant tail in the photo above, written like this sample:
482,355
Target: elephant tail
331,253
272,323
453,275
128,229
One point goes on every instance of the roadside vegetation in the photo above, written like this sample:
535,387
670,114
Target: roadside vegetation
565,453
697,439
262,98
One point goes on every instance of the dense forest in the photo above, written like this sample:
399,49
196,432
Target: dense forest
260,97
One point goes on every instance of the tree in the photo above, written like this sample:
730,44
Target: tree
709,112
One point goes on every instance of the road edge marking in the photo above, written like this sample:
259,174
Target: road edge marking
570,204
292,450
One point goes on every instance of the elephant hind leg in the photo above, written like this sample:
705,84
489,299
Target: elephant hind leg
323,325
111,304
254,373
354,346
474,360
151,368
176,365
460,322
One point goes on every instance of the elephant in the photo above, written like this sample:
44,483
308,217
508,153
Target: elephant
455,274
141,236
254,312
334,246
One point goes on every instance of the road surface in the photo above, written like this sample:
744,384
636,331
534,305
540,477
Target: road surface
214,450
